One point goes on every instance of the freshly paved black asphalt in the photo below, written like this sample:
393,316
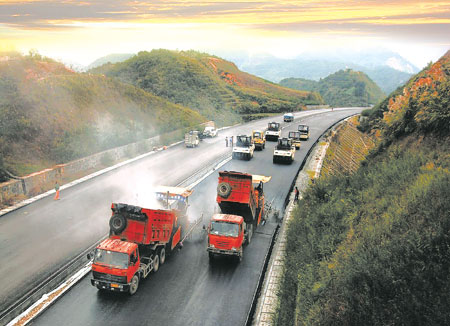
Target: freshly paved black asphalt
187,290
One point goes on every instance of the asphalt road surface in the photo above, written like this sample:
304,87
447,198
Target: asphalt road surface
37,239
187,289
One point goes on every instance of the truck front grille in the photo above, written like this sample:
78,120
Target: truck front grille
109,277
222,244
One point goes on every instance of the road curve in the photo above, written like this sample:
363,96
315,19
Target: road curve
37,239
187,290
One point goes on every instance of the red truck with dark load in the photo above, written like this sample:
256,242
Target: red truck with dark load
241,199
140,238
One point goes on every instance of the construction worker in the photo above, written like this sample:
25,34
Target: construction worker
56,191
226,141
296,194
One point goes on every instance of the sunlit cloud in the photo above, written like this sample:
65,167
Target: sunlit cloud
101,26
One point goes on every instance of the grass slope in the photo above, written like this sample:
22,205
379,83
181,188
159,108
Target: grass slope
50,114
371,248
343,88
214,87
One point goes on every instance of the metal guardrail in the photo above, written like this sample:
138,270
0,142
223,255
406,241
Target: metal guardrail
251,312
48,284
62,273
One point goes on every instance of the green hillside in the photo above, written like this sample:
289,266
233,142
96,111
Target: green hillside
343,88
50,114
212,86
372,247
299,84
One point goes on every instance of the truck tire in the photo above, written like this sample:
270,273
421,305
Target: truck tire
233,156
224,189
156,263
240,257
134,284
250,234
117,223
211,257
274,159
162,256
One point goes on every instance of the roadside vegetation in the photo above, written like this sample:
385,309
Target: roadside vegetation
343,88
50,114
372,247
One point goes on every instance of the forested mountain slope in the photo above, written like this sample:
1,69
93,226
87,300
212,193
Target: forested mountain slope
372,248
214,87
343,88
50,114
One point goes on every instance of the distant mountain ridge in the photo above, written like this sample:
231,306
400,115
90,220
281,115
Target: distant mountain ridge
343,88
110,58
387,69
214,87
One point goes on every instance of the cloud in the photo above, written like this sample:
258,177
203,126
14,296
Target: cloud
30,14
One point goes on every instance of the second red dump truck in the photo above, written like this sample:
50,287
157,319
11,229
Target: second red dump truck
140,238
241,199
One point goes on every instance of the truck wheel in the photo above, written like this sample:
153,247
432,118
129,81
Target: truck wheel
162,256
233,156
134,284
250,234
117,223
224,189
274,159
156,263
211,257
240,257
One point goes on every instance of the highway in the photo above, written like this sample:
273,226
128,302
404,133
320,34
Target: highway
37,239
187,290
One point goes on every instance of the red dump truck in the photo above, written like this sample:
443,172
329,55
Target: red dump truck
140,238
241,199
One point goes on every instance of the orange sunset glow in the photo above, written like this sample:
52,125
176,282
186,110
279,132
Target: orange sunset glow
80,31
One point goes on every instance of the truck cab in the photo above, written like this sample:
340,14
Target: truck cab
304,132
259,140
226,236
243,148
294,136
273,131
284,151
288,117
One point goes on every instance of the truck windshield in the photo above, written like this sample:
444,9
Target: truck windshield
303,129
257,135
284,144
294,134
274,126
224,228
243,141
111,258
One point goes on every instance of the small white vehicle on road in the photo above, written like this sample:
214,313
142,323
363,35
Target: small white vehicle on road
244,147
284,151
210,132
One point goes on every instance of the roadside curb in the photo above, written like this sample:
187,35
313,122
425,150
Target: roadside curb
268,301
29,201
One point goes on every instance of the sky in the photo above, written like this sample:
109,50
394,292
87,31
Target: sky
79,32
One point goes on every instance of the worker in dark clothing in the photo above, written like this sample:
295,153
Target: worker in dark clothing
226,141
297,193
